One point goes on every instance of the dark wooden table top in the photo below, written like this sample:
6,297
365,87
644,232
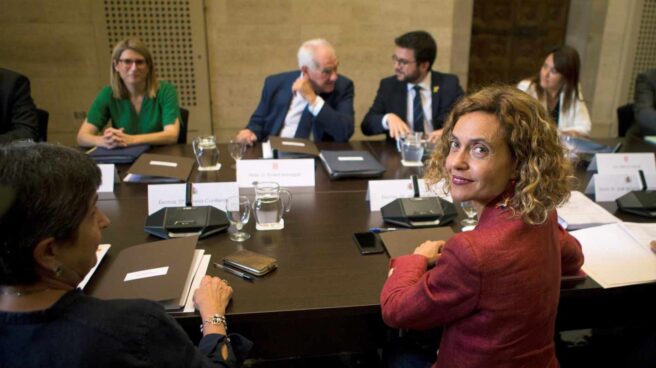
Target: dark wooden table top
321,273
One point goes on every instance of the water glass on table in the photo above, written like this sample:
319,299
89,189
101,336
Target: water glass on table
470,212
238,211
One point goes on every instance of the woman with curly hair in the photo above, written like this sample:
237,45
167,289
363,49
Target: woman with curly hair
495,289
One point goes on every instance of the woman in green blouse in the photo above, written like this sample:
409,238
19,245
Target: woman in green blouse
142,109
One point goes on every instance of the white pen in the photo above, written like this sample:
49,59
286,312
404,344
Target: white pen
233,271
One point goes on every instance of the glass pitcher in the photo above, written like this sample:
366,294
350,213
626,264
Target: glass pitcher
207,154
270,203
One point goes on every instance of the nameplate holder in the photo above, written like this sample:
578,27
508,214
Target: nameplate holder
166,195
623,163
286,172
108,176
213,194
382,192
609,187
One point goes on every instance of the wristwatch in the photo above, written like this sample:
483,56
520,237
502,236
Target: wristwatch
215,320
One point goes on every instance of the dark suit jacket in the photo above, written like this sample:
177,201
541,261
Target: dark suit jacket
392,97
334,122
644,106
494,289
17,111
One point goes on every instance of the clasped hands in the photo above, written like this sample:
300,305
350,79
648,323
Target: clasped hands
113,138
431,250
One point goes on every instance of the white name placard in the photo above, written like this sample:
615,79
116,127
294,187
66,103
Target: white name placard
153,272
382,192
609,187
108,175
286,172
166,195
213,194
621,163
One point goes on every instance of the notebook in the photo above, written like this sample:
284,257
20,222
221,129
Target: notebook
351,164
151,168
161,271
293,148
125,155
402,242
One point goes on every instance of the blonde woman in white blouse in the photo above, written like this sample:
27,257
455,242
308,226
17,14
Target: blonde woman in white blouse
557,87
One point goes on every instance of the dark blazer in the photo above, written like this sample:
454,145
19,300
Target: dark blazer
334,122
644,106
18,118
392,97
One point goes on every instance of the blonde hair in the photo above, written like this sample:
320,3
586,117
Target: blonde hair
118,86
543,173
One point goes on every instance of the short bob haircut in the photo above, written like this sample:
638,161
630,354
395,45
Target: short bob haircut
46,192
544,174
119,91
568,63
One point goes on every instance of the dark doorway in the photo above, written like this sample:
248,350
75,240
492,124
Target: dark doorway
510,38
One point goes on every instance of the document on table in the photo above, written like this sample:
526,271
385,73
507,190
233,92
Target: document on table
581,212
618,254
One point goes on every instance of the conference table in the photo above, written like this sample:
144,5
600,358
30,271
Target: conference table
324,296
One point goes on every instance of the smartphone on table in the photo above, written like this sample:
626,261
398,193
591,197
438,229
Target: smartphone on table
368,243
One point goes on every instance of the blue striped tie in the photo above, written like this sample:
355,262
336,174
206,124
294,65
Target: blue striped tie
418,110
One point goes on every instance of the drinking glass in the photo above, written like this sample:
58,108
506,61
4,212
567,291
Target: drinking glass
470,211
238,210
236,149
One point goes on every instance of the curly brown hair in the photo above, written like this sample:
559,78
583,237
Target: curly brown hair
544,174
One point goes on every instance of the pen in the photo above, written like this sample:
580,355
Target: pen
233,271
381,229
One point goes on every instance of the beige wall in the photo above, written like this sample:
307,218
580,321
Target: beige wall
250,39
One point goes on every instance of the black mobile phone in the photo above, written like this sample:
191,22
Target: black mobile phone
368,243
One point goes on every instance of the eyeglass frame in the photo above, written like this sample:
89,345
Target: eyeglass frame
402,62
139,63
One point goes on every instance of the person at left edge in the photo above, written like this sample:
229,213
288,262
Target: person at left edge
142,109
17,111
315,101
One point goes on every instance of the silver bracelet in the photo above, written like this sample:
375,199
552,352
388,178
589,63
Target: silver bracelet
215,320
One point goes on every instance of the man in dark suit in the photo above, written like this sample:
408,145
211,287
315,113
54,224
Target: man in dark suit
314,101
416,98
17,111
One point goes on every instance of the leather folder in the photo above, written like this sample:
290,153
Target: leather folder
156,271
351,164
125,155
152,168
293,148
402,242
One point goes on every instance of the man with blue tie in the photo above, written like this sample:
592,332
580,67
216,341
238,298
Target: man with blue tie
313,102
416,98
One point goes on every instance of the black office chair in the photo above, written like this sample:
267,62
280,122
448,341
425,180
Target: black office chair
625,119
184,117
42,117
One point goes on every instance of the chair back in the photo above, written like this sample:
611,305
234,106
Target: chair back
42,117
624,119
184,117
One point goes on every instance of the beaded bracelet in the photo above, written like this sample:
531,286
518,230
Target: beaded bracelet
215,320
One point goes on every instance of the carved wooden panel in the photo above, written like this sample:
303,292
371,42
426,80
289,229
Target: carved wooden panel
510,38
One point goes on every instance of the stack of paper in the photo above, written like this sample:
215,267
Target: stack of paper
618,254
580,212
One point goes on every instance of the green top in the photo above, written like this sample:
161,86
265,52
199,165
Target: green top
155,112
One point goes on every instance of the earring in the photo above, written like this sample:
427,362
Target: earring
57,271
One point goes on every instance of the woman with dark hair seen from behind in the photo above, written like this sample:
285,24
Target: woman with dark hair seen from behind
143,110
494,289
50,229
557,87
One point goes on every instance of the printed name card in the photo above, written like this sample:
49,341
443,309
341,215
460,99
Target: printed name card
286,172
213,194
166,195
108,178
382,192
609,187
621,163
